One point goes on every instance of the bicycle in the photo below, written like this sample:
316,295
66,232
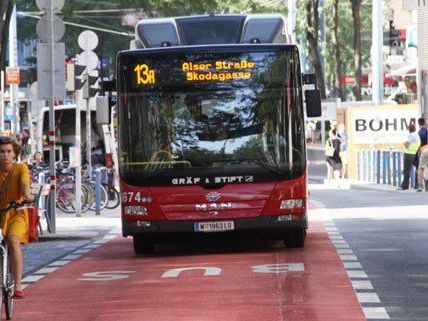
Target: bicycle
7,282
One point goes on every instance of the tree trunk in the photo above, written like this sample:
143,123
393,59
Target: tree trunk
312,17
336,50
356,8
6,8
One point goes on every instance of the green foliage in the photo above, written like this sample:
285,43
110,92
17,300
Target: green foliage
110,44
346,34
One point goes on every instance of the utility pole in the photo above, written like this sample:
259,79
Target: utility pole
377,43
291,18
88,41
50,79
13,62
2,101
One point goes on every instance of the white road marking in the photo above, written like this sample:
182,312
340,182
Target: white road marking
59,263
32,278
362,285
356,274
345,251
71,256
353,268
352,265
375,313
369,297
336,237
348,258
46,270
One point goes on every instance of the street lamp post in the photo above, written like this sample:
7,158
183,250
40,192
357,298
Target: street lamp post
377,43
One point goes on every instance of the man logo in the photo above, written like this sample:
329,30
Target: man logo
212,196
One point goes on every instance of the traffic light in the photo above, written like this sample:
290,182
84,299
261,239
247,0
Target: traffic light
91,84
28,76
394,35
74,79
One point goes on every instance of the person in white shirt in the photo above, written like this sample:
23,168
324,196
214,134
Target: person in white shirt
411,147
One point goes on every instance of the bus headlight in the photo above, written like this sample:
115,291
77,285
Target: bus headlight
293,203
135,210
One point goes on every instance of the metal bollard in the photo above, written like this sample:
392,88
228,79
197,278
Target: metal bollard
388,166
384,177
364,165
394,168
400,168
378,168
41,183
104,175
369,163
97,191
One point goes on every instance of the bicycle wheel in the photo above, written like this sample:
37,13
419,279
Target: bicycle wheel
2,290
113,197
64,197
8,293
103,197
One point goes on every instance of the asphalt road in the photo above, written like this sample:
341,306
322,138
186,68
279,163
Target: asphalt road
385,229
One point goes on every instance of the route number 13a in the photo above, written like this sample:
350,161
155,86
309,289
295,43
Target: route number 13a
145,76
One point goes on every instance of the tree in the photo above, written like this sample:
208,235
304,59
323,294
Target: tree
312,20
110,44
336,50
356,9
6,8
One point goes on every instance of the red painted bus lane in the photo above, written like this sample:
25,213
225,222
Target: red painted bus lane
271,283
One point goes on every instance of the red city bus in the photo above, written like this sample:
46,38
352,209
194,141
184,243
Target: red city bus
211,130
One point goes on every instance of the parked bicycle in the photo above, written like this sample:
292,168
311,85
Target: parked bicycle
7,282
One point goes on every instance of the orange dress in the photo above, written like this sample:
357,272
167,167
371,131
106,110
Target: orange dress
15,222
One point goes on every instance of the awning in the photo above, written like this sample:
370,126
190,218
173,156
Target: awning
407,70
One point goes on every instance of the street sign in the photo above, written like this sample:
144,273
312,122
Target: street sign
44,5
58,29
12,76
88,59
105,61
45,90
88,40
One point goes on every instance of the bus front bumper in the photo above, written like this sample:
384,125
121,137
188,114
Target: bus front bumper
270,226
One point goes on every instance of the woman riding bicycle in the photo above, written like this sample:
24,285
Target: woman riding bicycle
14,186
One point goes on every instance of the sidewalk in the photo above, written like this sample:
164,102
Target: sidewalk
354,184
71,233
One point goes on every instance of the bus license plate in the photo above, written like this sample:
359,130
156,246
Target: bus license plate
217,226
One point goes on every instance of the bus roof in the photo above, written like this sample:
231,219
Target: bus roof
92,106
212,29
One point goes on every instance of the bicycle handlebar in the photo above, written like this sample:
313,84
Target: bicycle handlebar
16,206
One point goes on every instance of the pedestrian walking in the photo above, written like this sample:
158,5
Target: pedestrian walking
423,168
332,153
343,137
423,135
411,147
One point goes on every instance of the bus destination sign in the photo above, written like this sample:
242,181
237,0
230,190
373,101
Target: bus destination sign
219,71
216,71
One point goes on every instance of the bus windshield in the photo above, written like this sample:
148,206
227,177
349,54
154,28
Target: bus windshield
247,127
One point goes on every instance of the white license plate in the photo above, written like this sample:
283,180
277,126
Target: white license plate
215,226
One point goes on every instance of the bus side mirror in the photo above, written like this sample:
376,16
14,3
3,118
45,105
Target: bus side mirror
108,85
312,96
313,103
103,115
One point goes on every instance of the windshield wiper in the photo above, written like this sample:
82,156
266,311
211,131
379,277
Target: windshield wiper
273,169
265,165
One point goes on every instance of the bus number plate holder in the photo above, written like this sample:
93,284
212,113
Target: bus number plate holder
214,226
